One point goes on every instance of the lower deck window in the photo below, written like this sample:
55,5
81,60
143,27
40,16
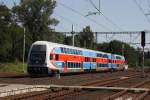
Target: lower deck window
73,65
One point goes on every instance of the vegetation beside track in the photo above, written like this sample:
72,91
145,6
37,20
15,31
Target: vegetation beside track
15,67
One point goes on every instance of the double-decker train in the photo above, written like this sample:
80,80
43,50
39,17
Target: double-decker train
46,58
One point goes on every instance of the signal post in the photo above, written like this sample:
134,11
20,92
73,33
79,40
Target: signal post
143,44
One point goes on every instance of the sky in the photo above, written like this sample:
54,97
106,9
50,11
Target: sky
118,15
124,13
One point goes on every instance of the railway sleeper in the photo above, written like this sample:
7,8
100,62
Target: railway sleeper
55,89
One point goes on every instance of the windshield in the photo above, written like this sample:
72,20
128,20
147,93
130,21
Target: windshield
38,54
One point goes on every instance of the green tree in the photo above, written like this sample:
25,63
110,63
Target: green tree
86,37
5,20
16,41
36,17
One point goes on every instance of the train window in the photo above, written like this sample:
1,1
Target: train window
61,49
99,65
71,65
74,65
117,57
105,56
78,65
68,50
64,50
38,48
76,52
51,56
81,52
68,64
99,55
57,57
71,51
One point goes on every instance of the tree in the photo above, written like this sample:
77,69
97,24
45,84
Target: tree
86,37
16,41
5,20
36,17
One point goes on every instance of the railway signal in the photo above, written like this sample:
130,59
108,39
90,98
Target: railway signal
143,44
143,38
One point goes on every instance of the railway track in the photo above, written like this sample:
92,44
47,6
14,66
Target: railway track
59,93
125,95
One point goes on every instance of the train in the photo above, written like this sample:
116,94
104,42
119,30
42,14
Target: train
46,57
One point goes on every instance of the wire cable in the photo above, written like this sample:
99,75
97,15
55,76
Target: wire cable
106,18
92,20
68,20
141,9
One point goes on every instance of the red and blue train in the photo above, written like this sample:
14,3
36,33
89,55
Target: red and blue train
46,58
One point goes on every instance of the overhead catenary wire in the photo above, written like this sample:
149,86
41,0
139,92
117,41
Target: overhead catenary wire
141,9
148,2
92,20
68,20
108,19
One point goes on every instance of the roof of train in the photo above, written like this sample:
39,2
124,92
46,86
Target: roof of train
62,45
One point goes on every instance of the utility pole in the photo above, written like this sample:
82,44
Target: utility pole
99,7
72,36
143,44
122,49
96,39
24,41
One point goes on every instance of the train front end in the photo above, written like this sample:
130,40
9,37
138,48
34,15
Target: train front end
37,59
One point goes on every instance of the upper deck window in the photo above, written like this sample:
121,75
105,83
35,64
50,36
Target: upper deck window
105,56
99,55
62,50
117,57
70,51
65,50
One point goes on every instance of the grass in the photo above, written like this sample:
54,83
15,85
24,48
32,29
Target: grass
147,62
15,67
